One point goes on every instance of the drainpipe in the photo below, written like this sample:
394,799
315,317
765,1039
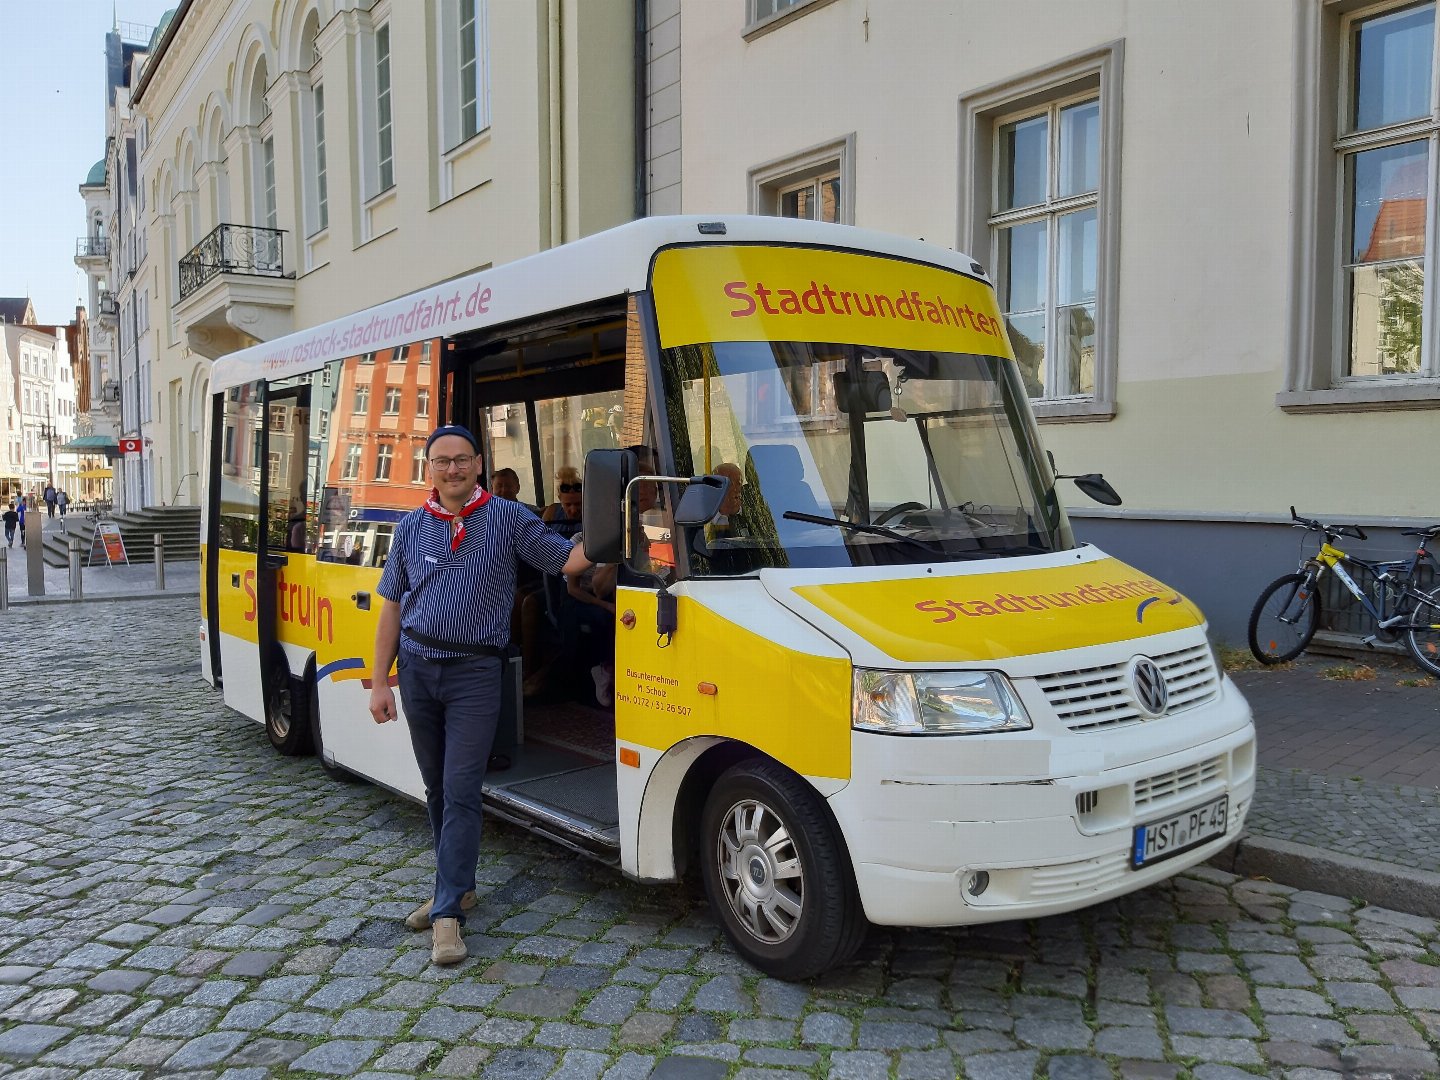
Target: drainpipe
557,127
642,85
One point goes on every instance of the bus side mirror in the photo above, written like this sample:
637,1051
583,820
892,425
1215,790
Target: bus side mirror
701,501
1091,483
1098,488
607,473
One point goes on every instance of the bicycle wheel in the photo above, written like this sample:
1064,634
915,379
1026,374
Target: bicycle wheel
1424,644
1284,619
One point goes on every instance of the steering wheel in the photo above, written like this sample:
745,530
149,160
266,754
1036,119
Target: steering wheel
901,508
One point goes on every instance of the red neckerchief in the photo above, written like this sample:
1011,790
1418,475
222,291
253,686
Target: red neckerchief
478,498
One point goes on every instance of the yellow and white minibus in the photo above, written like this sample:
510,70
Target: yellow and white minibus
862,670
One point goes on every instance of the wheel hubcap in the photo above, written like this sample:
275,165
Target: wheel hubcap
280,712
760,871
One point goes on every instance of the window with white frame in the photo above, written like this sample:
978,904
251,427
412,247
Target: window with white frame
817,184
1045,242
1039,204
352,463
1363,331
362,398
422,402
269,208
761,15
322,194
384,455
384,119
417,466
392,401
1388,131
465,70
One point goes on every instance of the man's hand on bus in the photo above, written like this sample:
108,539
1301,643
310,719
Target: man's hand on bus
382,703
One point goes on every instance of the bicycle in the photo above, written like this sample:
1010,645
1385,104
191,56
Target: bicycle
1286,615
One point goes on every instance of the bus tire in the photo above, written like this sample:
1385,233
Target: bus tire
287,714
317,731
777,872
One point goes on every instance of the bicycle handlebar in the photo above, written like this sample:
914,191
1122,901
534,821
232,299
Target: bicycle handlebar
1330,531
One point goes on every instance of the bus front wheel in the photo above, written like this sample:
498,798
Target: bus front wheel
287,714
777,872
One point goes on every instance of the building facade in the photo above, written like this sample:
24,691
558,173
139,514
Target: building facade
1212,246
295,161
39,410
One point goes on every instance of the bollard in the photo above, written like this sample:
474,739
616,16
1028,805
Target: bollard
160,561
77,584
4,579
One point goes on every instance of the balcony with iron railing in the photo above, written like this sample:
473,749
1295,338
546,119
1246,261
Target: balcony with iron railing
92,247
232,249
234,290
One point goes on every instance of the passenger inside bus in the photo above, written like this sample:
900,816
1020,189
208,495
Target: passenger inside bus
563,515
506,484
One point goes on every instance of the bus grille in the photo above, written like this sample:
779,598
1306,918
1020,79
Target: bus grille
1178,783
1089,699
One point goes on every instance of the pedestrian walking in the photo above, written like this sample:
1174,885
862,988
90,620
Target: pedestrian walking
50,500
20,513
449,586
12,521
62,500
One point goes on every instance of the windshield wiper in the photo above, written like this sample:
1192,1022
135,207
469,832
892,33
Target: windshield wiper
927,546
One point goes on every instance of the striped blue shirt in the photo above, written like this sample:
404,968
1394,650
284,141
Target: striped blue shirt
466,595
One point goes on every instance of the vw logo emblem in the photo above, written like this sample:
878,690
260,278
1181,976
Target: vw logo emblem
1148,684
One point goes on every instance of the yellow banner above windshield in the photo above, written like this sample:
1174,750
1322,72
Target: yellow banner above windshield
718,292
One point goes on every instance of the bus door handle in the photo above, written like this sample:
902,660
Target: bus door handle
274,562
362,600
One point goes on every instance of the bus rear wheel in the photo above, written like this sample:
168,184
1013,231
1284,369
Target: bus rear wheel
287,714
777,873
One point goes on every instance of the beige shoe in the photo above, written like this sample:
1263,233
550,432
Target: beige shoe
447,947
419,919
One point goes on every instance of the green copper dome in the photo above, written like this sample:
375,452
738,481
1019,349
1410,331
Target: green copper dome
160,30
97,173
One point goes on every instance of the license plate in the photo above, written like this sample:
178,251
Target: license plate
1170,836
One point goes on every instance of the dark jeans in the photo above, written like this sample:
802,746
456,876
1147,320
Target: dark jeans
452,708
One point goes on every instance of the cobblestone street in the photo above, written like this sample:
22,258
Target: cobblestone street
177,899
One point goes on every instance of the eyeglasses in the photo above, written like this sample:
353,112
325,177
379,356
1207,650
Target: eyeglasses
566,489
442,464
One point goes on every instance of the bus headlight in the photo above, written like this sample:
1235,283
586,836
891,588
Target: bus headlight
936,703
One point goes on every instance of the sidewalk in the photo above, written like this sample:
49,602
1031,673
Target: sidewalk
1347,799
98,582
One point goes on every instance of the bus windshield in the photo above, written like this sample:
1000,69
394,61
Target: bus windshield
853,455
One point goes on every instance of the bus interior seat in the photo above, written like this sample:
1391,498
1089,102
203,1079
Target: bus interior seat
780,475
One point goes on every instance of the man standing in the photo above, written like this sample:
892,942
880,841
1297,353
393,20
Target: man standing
12,522
50,500
449,584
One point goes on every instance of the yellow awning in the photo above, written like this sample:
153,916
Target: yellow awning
95,474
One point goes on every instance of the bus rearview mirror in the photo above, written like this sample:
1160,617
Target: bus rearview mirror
701,501
607,473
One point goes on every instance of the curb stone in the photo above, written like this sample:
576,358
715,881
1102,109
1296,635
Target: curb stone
1300,866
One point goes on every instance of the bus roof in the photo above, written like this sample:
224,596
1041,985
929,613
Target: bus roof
606,264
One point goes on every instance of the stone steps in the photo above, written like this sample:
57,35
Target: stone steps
179,525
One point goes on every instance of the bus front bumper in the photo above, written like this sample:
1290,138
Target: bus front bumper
950,851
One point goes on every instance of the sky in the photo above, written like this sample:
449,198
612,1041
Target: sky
52,129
